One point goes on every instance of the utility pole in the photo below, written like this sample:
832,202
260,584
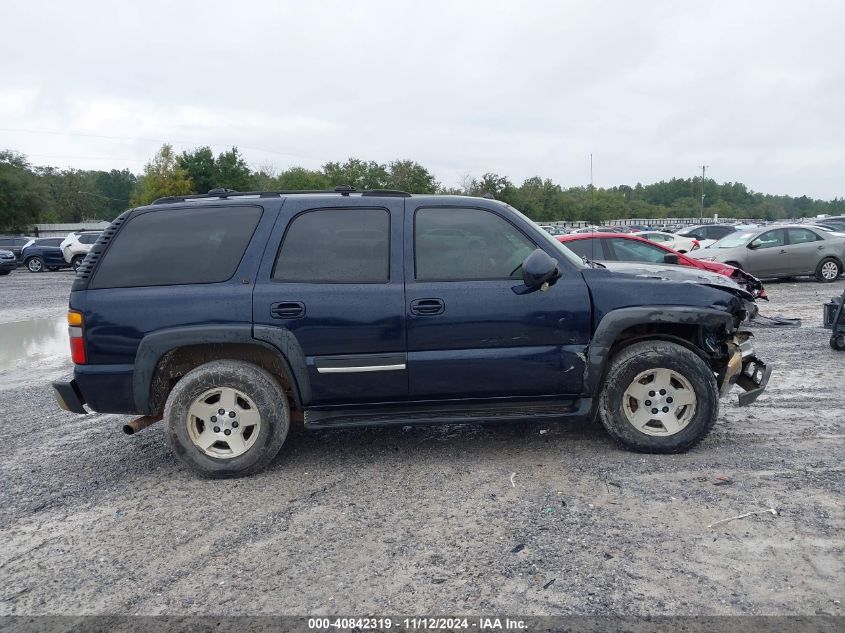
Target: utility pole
703,169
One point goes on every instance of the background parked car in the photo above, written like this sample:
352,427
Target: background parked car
14,243
8,262
76,246
43,254
707,234
675,242
781,251
622,247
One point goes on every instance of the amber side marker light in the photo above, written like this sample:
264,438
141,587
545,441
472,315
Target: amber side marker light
77,342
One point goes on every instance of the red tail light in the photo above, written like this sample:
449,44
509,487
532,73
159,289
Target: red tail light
77,342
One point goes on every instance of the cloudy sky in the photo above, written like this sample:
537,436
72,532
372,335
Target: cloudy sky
755,90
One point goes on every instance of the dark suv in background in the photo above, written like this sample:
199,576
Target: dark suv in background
229,314
43,254
14,243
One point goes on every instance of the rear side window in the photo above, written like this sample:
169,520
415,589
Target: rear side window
88,238
801,236
336,246
181,246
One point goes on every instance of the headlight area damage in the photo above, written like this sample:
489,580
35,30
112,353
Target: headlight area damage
749,283
731,351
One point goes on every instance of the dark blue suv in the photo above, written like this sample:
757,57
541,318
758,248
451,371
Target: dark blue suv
231,313
43,254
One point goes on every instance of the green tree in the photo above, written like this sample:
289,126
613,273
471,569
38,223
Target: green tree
358,173
200,167
71,195
228,171
115,187
162,177
410,176
233,172
22,194
299,179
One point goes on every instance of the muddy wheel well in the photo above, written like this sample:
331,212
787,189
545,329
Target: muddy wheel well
690,336
179,361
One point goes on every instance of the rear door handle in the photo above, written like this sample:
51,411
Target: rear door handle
287,310
783,250
427,307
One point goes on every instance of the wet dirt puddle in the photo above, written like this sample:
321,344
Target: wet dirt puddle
35,341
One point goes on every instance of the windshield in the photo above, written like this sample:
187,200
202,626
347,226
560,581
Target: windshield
548,239
734,240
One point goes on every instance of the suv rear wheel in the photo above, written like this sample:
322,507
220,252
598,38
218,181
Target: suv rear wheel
35,265
658,397
227,418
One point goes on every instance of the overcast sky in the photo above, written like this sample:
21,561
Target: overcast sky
755,90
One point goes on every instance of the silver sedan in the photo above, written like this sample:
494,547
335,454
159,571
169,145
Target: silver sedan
780,251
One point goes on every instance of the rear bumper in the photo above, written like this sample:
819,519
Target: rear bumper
69,397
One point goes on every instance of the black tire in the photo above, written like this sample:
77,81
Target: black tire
5,272
828,263
35,265
838,342
262,389
76,262
648,355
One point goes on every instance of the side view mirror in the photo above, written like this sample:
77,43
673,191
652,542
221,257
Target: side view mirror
752,245
671,258
539,269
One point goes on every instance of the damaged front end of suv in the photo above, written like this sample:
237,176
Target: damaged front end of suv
707,312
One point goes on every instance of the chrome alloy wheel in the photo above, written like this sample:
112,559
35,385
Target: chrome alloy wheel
223,422
659,402
830,270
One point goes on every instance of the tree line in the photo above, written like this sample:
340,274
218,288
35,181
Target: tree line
38,194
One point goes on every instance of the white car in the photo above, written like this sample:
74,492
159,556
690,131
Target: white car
675,242
76,246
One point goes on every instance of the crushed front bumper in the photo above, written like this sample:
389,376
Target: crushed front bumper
69,396
745,370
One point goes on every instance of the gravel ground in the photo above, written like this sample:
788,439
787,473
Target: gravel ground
530,519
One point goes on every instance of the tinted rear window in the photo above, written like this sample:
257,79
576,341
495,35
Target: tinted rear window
181,246
336,246
88,238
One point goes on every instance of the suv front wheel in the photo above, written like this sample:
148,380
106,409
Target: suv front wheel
76,262
658,397
227,418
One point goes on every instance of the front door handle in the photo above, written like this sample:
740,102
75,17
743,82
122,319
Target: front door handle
783,250
427,307
287,310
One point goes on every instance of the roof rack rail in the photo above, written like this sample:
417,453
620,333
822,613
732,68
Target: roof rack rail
224,194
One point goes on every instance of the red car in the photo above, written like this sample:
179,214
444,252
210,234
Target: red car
626,247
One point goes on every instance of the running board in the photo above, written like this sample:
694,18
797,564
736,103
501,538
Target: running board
447,413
